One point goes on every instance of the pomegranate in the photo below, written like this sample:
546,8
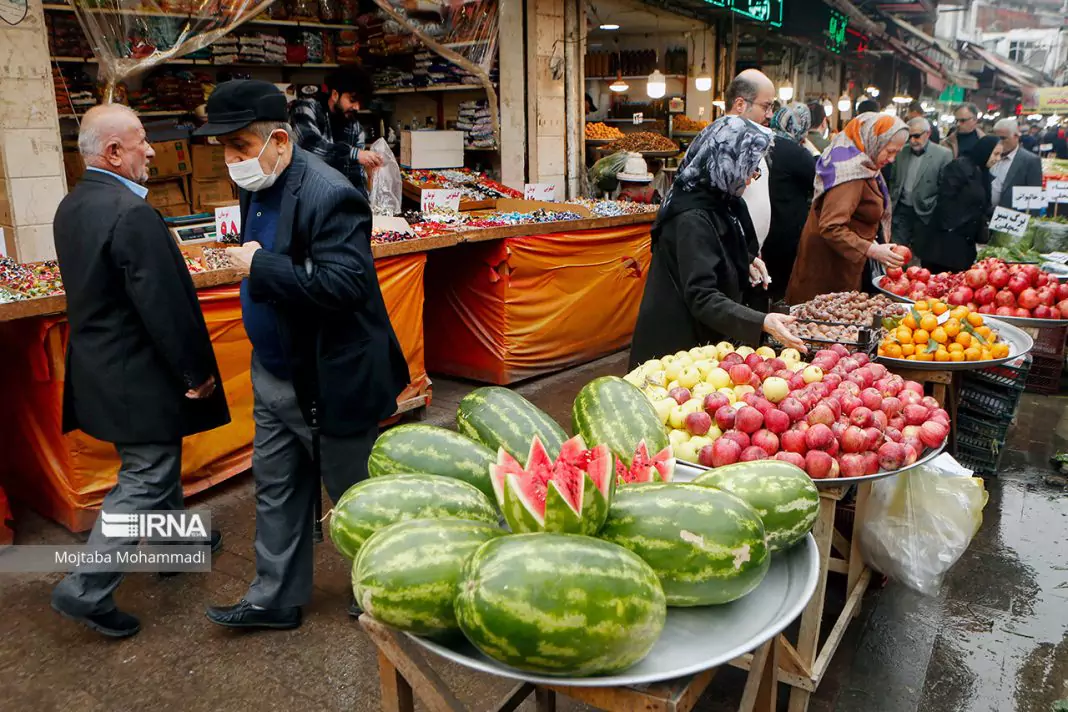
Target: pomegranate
1018,282
975,277
1020,311
999,277
1028,299
1005,298
985,294
1062,291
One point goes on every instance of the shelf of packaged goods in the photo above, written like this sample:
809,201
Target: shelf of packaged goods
176,112
210,63
310,24
636,77
430,89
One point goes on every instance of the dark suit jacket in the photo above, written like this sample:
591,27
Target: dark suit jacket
138,340
321,279
1026,170
925,194
792,172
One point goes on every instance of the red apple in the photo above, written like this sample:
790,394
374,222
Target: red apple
933,433
915,414
891,405
820,465
726,417
698,423
871,463
753,360
851,465
725,451
741,374
753,453
819,437
714,401
794,441
776,421
792,457
749,419
767,441
793,408
853,439
891,456
873,437
680,394
821,414
861,417
871,398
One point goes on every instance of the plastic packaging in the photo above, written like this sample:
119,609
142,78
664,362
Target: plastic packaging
919,523
602,174
386,184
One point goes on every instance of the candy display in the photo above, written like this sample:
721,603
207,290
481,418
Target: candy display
474,185
194,265
33,279
216,258
6,297
598,131
614,208
644,142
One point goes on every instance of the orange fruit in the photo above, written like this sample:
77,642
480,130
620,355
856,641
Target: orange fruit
964,339
922,306
940,308
985,354
920,336
893,351
882,351
986,333
956,356
909,323
903,335
959,313
1000,350
952,327
975,318
972,354
910,357
941,355
939,335
928,322
924,356
955,348
908,349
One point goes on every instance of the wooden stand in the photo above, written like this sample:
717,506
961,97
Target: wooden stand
406,675
803,664
945,388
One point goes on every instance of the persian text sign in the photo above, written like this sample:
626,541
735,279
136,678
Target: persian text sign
439,200
1009,221
227,221
1026,197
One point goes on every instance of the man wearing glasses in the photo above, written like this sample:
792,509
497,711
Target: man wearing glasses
914,184
751,95
967,133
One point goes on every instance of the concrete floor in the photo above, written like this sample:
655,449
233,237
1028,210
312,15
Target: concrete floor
993,640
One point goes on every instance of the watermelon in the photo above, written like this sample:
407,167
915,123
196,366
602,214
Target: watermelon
427,448
609,411
408,574
560,604
782,494
707,546
378,502
570,494
501,418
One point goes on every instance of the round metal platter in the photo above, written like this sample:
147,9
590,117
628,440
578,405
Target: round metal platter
659,154
895,297
600,141
1029,322
687,471
1020,343
694,639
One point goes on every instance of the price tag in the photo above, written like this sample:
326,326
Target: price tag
639,118
227,221
1010,221
1045,147
439,200
1057,191
540,191
386,223
1028,197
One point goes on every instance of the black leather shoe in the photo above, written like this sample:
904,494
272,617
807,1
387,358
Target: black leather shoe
244,615
113,624
354,608
216,546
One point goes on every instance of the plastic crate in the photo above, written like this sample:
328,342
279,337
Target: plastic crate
981,461
1049,340
975,426
1011,375
990,402
1045,375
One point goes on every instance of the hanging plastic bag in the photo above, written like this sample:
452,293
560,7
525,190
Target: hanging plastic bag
919,523
602,174
385,182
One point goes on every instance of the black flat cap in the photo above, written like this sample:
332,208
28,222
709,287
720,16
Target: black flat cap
237,103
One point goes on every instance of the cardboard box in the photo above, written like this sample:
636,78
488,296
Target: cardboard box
432,149
167,193
73,167
175,211
207,192
209,162
171,160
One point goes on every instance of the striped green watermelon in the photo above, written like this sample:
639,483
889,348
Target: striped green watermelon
378,502
560,604
498,417
609,411
570,494
707,546
428,448
408,574
782,494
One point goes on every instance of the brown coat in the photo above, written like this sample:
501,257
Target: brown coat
841,226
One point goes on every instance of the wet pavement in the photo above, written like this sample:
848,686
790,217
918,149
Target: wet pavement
994,640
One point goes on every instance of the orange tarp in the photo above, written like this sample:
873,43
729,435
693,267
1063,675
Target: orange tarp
65,477
511,309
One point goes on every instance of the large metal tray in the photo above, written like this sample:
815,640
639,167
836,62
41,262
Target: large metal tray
688,471
1014,320
887,292
694,639
1020,343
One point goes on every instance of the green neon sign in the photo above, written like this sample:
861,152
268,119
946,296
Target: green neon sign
836,31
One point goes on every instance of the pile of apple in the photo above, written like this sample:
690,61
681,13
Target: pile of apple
918,283
839,416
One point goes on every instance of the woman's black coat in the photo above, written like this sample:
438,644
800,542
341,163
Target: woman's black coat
960,218
793,170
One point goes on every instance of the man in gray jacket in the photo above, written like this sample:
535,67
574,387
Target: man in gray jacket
1017,167
914,183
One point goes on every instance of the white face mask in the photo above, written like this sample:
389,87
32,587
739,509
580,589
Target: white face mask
249,175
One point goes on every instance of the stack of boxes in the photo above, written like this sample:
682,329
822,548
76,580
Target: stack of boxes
988,402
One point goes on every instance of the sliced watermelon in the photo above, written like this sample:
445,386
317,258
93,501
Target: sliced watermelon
569,495
658,468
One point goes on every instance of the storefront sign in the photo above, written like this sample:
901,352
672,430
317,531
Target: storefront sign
1009,221
540,191
1028,198
436,200
1057,191
767,11
227,221
836,31
1045,100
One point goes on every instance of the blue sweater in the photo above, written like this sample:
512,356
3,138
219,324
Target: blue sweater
261,319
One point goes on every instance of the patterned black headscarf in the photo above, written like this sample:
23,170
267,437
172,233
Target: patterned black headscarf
723,156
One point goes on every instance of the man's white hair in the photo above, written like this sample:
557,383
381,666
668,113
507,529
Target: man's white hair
919,124
1010,124
264,129
98,129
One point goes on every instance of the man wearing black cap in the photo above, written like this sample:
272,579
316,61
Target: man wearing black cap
316,121
325,358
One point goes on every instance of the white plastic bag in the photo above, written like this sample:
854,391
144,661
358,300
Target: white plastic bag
386,182
919,523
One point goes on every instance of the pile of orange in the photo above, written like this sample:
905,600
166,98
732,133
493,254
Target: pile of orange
961,337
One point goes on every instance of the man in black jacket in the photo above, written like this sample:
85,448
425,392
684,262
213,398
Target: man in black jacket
325,358
140,370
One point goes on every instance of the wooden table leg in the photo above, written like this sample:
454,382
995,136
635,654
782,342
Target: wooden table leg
410,676
856,560
396,692
544,699
761,688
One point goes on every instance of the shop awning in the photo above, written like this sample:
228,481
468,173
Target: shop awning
963,80
938,44
1015,75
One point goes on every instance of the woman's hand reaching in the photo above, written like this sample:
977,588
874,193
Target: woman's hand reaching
758,273
885,255
778,327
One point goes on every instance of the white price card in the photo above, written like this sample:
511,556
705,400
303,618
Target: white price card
1057,191
1045,147
540,191
438,200
227,221
1010,221
639,118
1026,197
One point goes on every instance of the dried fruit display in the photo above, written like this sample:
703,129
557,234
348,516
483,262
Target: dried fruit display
644,142
685,123
598,131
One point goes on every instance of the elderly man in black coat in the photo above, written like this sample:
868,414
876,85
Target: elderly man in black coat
140,371
325,358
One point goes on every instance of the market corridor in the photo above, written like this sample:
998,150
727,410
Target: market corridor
995,640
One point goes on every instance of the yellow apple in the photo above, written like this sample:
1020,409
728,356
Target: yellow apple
723,348
704,366
812,374
765,352
663,407
656,378
718,378
790,355
743,351
702,389
741,391
677,417
696,353
686,451
655,393
689,377
667,359
673,369
652,365
729,392
776,389
677,437
796,366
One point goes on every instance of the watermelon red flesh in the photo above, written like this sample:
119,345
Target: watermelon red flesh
570,494
658,468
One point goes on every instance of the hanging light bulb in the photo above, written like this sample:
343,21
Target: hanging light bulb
873,92
844,103
902,99
703,82
786,91
619,85
656,87
828,107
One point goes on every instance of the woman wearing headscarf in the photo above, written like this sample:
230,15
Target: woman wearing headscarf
963,208
793,169
850,210
701,245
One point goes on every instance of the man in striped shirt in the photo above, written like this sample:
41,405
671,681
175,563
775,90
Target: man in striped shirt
316,121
